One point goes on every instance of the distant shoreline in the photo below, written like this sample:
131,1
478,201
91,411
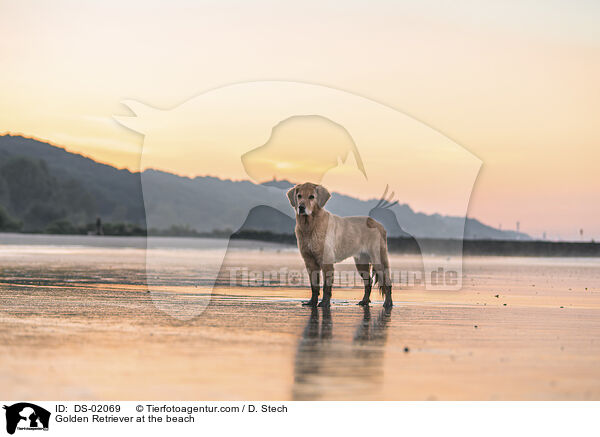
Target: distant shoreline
406,246
448,246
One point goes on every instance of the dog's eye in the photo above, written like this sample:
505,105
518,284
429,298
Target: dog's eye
311,197
299,196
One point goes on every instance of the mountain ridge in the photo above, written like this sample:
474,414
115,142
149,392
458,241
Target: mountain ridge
41,183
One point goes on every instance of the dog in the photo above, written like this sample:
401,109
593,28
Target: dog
325,239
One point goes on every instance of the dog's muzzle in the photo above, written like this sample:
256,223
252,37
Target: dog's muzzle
302,210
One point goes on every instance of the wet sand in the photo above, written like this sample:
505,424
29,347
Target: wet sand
78,323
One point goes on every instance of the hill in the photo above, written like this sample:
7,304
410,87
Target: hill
41,184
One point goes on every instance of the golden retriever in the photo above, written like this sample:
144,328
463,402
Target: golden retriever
325,239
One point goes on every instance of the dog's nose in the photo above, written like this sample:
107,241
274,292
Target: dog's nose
301,208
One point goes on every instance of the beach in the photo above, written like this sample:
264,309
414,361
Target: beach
79,323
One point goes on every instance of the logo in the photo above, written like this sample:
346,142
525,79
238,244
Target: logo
270,132
26,416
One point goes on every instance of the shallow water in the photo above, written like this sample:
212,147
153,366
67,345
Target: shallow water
78,322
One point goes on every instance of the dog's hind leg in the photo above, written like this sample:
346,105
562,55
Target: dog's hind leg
364,269
328,273
314,273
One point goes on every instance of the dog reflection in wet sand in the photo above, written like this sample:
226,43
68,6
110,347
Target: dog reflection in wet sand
329,369
325,239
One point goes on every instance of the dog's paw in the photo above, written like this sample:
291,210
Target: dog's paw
363,303
388,304
324,304
309,303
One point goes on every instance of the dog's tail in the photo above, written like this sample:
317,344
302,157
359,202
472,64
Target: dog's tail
381,271
380,278
377,279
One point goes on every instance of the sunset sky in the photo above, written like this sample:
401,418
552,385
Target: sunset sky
515,83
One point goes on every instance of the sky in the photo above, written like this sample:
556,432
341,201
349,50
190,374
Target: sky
514,83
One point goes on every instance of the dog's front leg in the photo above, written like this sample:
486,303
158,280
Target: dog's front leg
315,279
327,284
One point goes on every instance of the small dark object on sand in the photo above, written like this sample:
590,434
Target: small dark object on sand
497,295
504,304
475,326
406,349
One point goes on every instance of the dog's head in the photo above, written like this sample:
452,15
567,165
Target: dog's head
307,198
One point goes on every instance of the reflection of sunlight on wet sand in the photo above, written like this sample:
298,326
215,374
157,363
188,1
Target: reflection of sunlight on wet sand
519,329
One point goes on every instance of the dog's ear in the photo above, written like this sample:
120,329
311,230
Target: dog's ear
292,195
322,195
